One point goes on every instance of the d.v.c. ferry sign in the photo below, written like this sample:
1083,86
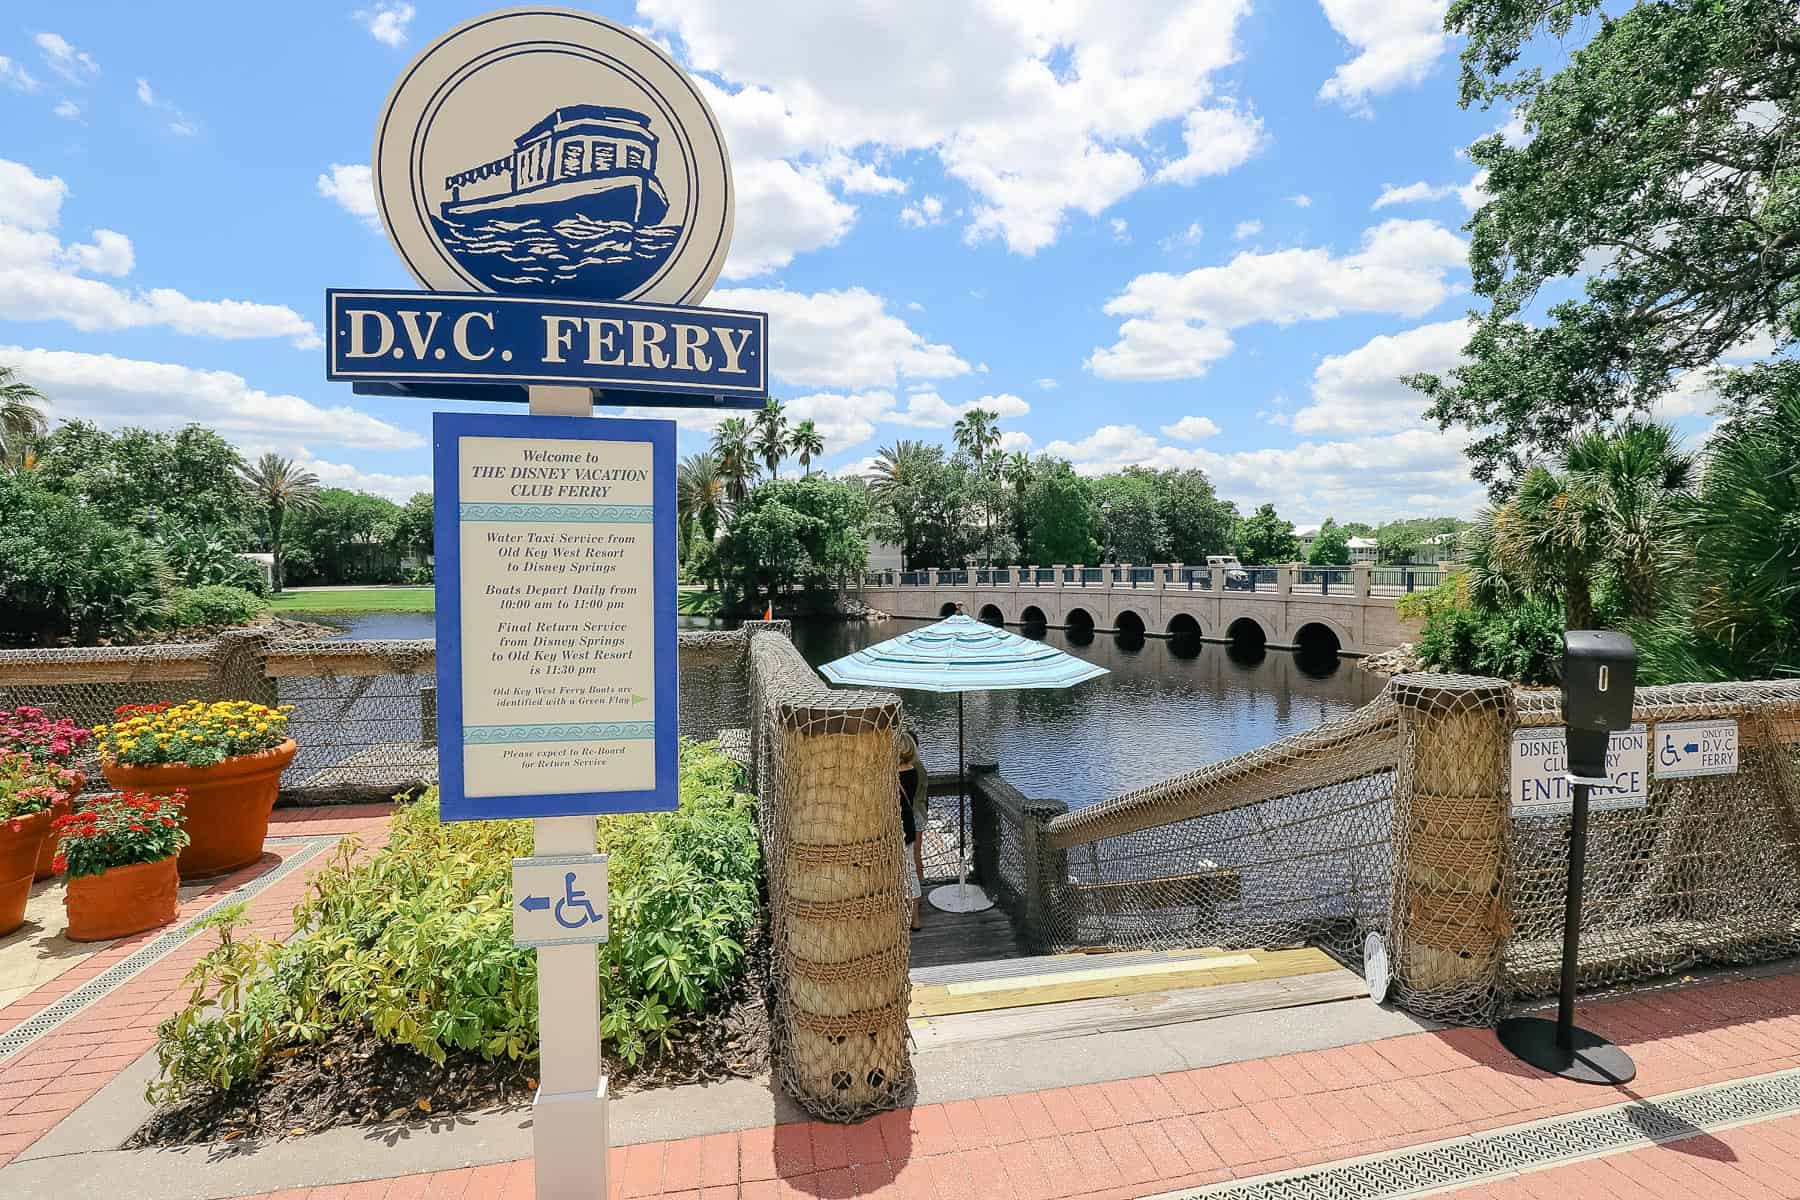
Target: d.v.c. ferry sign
547,155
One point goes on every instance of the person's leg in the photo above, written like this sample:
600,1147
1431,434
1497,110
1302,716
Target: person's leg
918,858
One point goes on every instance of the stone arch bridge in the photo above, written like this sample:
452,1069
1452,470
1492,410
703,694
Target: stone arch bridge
1349,609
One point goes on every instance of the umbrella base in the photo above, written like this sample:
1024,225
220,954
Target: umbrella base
960,898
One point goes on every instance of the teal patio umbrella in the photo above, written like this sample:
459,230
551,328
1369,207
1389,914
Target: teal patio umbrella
960,654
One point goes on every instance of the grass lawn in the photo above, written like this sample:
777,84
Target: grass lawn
420,600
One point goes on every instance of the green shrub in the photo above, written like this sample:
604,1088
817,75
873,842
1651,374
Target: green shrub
415,943
68,575
1521,641
215,604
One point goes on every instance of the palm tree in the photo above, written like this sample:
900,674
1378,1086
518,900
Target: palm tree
700,497
807,443
897,465
21,420
731,447
771,436
977,434
280,485
1613,508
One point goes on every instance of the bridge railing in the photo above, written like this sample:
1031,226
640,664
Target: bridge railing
1324,580
1389,581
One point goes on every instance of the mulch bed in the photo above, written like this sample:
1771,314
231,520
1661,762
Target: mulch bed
354,1079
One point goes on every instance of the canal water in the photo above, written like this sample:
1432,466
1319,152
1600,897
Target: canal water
1167,706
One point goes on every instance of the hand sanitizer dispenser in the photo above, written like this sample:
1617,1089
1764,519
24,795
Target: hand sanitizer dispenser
1599,680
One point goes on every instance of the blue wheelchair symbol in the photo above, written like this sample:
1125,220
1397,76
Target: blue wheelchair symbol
1668,756
574,898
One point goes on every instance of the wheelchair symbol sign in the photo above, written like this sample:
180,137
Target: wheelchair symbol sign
559,900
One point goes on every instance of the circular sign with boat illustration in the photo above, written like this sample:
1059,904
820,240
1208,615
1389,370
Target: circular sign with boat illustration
547,152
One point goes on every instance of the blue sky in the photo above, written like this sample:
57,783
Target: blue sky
1206,234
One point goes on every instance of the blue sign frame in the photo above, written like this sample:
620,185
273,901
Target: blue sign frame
446,343
447,429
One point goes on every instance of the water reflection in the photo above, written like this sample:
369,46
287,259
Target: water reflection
1169,705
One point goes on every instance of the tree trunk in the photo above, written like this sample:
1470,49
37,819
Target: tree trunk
275,570
1578,606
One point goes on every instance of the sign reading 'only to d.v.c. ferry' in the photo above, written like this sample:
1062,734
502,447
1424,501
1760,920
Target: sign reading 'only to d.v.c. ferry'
557,160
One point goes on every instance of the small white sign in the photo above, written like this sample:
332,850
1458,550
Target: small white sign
1540,769
559,900
1689,748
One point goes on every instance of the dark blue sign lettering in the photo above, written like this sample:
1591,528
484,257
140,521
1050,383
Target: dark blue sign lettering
711,356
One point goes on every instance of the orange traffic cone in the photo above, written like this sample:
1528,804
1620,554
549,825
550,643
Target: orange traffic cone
769,612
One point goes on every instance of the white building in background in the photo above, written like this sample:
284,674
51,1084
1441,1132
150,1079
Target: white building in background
1362,550
1308,534
884,556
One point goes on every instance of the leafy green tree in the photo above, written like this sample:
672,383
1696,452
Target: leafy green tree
415,527
1663,164
1263,538
148,480
807,443
1332,547
22,419
1357,529
1193,520
1015,470
348,537
279,487
1395,544
737,464
1063,518
205,555
769,436
1131,528
807,534
700,501
921,502
977,435
67,574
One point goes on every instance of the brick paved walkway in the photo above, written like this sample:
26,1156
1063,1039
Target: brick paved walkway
61,1070
1123,1139
1138,1137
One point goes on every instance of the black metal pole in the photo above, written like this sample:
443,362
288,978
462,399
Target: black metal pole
962,800
1565,1007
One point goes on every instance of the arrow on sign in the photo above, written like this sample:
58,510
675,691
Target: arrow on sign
1691,748
637,699
535,903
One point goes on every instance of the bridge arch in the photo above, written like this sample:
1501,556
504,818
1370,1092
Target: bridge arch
949,610
1318,638
1128,623
1033,615
1079,619
992,615
1247,632
1183,625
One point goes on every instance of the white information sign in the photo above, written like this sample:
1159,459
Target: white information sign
559,900
1540,767
1689,748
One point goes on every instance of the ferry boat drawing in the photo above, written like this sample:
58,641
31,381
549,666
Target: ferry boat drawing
588,161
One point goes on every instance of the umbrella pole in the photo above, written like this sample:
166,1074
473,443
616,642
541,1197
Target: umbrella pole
961,897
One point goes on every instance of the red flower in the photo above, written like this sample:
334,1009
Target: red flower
59,864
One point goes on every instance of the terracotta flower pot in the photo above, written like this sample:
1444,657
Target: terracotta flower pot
228,805
121,900
20,839
46,863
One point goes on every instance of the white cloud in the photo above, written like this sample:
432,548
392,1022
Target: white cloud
29,200
387,21
113,391
183,127
1300,200
842,339
1416,472
1218,140
863,466
1472,194
929,210
1040,110
862,178
1121,229
928,410
1047,384
845,420
68,110
352,188
15,76
145,92
1177,325
1397,43
398,488
782,210
74,65
1360,392
41,279
1247,229
1192,429
1015,440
